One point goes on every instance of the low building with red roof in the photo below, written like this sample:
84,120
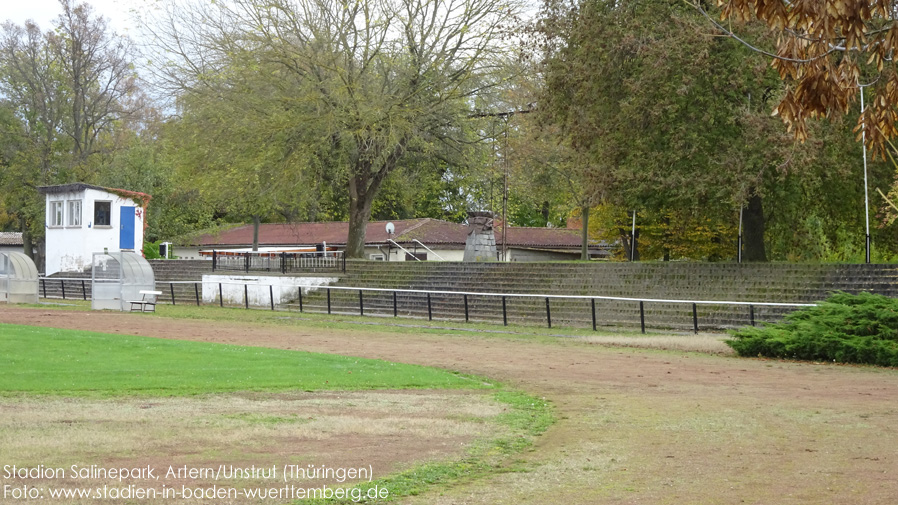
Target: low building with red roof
424,238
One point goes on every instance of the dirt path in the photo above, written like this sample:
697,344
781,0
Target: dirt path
635,426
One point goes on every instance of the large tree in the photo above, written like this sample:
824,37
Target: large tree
668,115
68,90
378,76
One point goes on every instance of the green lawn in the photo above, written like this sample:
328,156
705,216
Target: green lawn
67,362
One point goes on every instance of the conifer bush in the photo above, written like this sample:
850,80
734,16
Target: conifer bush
844,328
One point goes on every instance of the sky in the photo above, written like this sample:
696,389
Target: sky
43,12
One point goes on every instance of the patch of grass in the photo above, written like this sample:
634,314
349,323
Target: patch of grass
526,418
77,363
844,328
263,419
394,325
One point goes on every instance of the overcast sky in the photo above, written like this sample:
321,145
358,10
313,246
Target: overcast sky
43,12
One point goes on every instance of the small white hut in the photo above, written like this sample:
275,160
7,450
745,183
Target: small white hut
84,219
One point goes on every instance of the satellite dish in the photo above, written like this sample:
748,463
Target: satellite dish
390,228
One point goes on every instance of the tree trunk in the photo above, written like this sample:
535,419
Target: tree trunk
363,187
359,214
667,237
256,222
584,235
753,230
28,244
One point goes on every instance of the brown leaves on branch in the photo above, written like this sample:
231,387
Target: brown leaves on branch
826,50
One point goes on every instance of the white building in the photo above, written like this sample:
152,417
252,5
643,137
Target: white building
84,219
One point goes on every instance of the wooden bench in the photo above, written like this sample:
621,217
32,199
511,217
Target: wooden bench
148,301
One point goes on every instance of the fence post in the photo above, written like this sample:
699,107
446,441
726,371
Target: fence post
62,283
271,295
395,306
466,307
196,291
44,285
300,298
361,304
246,261
283,262
214,259
344,262
83,291
642,316
171,288
548,313
246,295
694,318
504,312
429,309
328,300
751,314
593,304
220,296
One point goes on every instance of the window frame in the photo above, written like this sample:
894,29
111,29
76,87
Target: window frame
96,223
73,219
57,214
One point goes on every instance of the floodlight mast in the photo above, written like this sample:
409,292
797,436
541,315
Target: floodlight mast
866,196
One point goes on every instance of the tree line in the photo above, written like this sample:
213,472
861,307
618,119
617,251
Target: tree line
589,111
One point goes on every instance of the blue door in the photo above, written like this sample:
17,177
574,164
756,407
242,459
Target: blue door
126,227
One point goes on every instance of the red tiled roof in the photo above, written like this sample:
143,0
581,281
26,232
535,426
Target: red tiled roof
11,238
429,231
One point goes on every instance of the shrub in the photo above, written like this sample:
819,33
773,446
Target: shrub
844,328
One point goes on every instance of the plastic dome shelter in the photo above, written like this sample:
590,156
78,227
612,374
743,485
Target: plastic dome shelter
118,278
18,278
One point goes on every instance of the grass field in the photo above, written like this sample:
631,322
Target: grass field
80,397
667,427
74,363
705,342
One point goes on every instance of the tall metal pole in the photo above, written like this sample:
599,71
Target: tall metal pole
866,195
505,197
739,253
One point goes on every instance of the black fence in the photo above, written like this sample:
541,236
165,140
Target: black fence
496,308
320,261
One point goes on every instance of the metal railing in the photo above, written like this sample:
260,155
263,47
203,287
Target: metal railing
282,262
429,249
454,305
470,305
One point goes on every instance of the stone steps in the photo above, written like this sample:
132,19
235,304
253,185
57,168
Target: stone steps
677,281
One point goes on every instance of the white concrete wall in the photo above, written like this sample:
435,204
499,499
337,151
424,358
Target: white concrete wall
70,248
189,253
285,289
399,255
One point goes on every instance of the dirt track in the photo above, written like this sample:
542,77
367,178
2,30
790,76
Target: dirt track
635,426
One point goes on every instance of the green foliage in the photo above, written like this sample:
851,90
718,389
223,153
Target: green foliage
844,328
54,361
151,251
665,235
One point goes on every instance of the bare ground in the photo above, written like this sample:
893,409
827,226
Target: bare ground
635,426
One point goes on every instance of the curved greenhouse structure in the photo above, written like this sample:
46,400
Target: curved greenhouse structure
118,278
18,278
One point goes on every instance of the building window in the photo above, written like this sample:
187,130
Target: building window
56,213
102,213
74,213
